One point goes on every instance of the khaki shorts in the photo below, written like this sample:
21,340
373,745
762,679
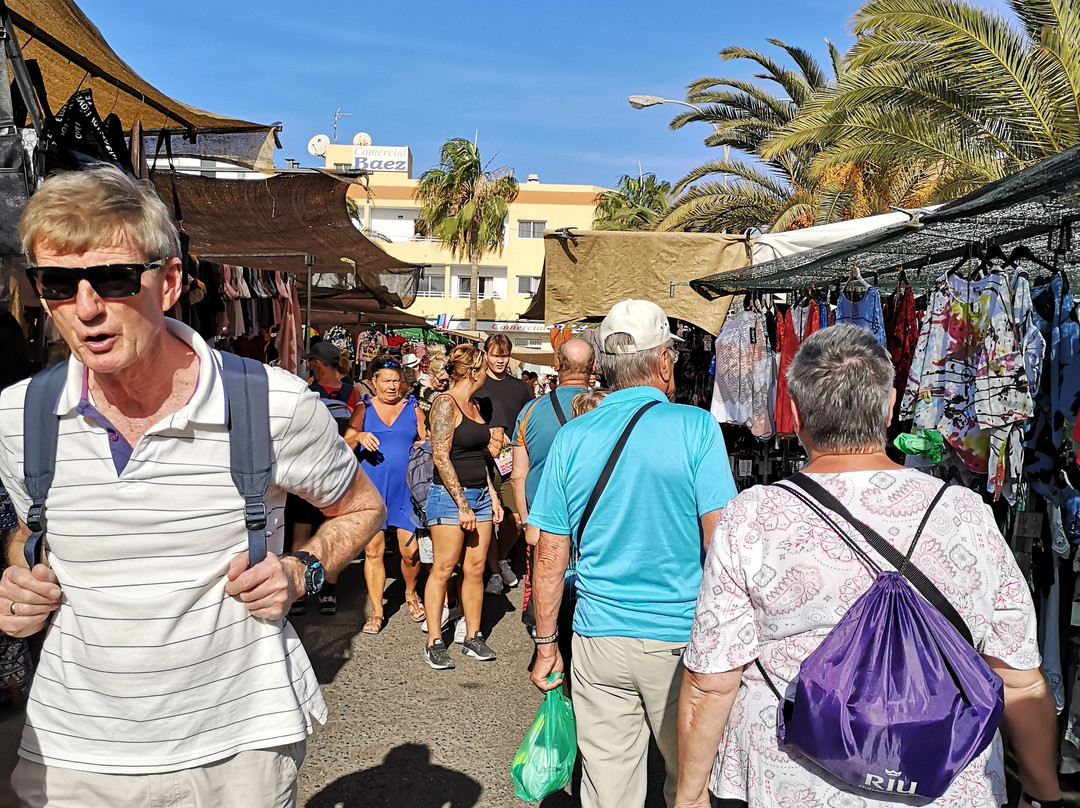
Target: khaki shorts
505,491
258,778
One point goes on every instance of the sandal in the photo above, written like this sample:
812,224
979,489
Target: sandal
416,608
374,624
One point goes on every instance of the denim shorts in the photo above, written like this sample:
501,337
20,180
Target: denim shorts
442,510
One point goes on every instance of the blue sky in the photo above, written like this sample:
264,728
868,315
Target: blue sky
545,86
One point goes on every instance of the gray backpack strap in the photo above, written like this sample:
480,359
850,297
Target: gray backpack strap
41,428
248,391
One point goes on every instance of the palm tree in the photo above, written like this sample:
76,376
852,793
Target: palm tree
782,190
465,207
635,204
973,93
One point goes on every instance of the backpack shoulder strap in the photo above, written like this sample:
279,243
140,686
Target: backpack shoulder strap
609,467
41,429
248,391
903,564
557,406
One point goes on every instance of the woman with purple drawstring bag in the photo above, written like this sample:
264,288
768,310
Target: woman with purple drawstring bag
861,630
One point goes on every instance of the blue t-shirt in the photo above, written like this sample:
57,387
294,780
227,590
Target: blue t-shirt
535,430
641,556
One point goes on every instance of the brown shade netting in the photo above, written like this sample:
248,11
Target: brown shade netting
273,223
355,306
71,53
587,272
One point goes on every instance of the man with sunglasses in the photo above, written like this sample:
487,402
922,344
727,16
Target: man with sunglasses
168,673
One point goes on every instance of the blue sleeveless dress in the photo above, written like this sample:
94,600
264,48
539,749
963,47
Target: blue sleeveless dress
386,467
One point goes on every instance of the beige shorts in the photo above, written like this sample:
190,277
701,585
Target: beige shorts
258,778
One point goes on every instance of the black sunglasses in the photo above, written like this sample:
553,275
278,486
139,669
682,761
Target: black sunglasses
382,364
108,280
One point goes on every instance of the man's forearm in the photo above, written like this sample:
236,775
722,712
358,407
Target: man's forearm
1031,726
550,558
350,525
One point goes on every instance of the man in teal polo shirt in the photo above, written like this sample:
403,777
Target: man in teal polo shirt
640,556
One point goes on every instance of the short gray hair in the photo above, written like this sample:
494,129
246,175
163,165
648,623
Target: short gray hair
622,370
840,380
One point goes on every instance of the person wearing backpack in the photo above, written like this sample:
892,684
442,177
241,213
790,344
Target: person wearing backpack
149,475
328,366
860,627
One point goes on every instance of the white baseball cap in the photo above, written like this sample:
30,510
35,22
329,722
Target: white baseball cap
643,320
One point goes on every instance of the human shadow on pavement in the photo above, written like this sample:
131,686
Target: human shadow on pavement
405,779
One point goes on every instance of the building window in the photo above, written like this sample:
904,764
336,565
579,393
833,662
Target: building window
531,343
531,229
487,287
432,283
527,285
343,166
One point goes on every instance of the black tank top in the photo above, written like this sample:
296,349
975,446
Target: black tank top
467,452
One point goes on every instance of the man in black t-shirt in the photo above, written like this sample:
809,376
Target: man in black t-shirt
505,396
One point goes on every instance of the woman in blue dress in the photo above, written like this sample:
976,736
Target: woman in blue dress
383,429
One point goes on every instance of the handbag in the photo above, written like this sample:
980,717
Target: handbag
895,700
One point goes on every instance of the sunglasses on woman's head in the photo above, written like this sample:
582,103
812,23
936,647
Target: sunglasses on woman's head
388,363
107,280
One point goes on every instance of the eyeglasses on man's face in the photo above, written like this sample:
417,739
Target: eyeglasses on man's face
107,280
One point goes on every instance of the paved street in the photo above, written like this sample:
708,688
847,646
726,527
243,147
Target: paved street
400,734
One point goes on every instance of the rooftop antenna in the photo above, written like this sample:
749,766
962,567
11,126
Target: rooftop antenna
338,114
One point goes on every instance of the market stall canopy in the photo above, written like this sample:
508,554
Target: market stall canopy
357,303
1034,208
544,357
72,54
274,223
587,272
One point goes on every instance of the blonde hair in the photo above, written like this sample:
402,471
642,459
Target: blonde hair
436,362
77,211
586,401
463,359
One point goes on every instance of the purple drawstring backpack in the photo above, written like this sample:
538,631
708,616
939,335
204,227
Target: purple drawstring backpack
895,700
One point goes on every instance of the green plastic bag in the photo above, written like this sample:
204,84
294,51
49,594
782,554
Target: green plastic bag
545,760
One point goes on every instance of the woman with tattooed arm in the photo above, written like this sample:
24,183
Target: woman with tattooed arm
461,506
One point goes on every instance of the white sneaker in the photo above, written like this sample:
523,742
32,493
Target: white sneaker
445,618
507,574
459,631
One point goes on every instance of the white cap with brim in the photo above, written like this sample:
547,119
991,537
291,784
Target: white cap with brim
643,320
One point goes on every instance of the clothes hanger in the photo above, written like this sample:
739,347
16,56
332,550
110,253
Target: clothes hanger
1024,253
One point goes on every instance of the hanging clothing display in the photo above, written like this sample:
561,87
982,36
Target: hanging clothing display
798,324
901,334
745,374
864,312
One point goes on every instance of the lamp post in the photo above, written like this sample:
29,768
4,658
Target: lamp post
642,101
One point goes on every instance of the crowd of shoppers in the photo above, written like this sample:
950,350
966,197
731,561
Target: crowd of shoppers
673,608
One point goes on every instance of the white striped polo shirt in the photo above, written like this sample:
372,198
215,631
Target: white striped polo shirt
148,665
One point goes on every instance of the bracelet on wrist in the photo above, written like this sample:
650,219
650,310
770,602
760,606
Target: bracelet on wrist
546,640
1037,803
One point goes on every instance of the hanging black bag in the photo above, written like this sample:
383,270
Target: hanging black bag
14,165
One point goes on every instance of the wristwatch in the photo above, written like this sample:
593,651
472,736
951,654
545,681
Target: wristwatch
314,574
1035,803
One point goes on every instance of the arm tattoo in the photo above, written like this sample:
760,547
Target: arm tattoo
442,436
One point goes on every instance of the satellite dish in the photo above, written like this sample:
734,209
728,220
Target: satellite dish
317,145
362,139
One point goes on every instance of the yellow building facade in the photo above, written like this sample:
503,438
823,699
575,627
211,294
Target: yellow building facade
508,280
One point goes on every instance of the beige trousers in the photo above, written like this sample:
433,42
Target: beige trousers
625,688
260,778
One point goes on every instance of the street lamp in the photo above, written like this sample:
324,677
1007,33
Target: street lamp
642,101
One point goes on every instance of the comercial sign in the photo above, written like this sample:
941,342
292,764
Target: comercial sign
382,158
530,328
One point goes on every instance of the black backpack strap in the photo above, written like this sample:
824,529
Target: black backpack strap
609,467
555,405
41,429
902,563
248,390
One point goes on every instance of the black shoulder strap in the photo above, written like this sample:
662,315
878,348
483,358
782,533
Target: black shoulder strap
555,405
41,429
609,467
248,390
902,563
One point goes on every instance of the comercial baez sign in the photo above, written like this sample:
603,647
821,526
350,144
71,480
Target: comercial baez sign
382,158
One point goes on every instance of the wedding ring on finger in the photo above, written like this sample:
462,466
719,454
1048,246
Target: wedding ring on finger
11,608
